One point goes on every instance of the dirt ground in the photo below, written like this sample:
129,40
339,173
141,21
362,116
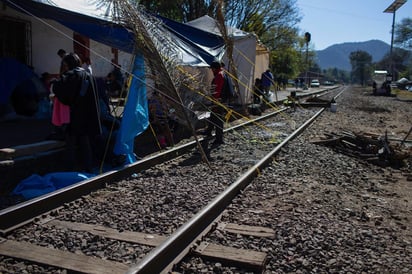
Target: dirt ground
391,116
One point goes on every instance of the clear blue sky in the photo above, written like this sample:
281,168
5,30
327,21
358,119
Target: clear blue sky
337,21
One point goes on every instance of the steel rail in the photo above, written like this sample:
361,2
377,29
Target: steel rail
164,255
20,214
23,213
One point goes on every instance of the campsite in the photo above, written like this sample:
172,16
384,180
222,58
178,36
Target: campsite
90,31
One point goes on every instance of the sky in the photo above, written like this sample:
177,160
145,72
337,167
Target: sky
338,21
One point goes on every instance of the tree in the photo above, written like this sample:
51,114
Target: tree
361,62
399,60
336,75
403,38
269,20
180,10
403,33
285,64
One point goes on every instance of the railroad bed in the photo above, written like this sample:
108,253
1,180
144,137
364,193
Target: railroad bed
310,209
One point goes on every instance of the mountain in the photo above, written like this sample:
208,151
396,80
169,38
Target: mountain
338,55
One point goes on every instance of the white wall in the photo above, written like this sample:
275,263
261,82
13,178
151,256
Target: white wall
101,56
244,55
49,36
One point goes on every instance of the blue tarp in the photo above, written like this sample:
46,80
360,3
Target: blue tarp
198,48
209,46
135,110
13,73
37,185
96,21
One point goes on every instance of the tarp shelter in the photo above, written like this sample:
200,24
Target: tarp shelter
193,47
98,22
95,20
21,90
250,57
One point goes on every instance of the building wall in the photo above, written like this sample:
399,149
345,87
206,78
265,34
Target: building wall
48,36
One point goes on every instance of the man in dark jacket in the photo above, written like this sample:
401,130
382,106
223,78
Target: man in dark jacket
77,89
267,81
217,110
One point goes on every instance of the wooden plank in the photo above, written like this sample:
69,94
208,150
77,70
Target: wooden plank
239,257
126,236
256,231
29,149
331,141
247,258
61,259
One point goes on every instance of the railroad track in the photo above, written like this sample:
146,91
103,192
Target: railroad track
161,196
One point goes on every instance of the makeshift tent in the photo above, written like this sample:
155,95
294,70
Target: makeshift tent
251,58
27,87
93,19
98,22
191,47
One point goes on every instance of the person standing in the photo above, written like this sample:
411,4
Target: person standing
61,53
267,81
60,112
158,117
87,65
217,110
118,75
77,89
257,91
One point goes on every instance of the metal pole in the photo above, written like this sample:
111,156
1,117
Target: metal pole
393,30
392,9
307,66
391,54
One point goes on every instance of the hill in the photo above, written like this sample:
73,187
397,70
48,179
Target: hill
338,55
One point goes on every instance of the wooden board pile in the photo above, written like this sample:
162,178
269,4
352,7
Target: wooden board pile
370,147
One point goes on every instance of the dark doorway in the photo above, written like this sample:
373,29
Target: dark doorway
81,46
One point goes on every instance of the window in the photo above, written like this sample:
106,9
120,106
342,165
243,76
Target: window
15,40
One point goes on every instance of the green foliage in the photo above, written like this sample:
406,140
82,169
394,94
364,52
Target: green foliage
336,75
180,10
403,33
285,64
361,62
400,61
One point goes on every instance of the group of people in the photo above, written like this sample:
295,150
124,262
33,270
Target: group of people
81,110
81,113
262,86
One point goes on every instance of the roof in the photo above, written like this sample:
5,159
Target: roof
380,72
207,23
98,22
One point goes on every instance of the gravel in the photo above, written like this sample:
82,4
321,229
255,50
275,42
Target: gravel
331,213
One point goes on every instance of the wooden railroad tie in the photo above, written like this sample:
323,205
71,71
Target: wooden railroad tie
82,263
58,258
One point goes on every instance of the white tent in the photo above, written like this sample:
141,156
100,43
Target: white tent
251,58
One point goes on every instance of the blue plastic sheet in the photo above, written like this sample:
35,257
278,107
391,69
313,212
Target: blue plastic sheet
37,185
135,117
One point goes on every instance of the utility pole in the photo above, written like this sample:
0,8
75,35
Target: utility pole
392,9
307,40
